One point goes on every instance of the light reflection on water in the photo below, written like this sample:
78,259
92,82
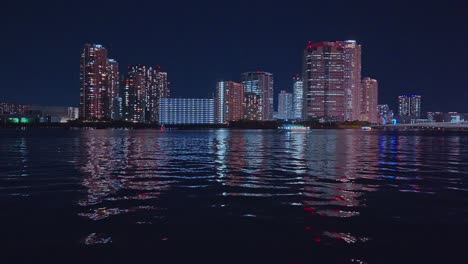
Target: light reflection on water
318,187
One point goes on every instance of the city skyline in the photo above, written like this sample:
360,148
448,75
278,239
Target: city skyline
217,45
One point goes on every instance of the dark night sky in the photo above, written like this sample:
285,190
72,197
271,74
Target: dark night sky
413,47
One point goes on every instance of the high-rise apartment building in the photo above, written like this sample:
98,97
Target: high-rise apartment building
143,87
229,102
98,83
332,76
409,106
186,111
352,78
258,92
369,100
298,98
285,105
113,87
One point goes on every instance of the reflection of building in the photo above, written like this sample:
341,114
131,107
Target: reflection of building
110,166
333,156
385,114
297,97
285,105
186,111
144,86
99,83
332,72
369,100
229,102
258,92
409,106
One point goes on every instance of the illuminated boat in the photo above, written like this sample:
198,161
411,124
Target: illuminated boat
293,127
366,128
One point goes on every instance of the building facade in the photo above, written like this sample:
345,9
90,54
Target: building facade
143,87
186,111
9,108
98,83
409,107
323,72
385,114
352,78
229,102
113,84
258,92
332,81
369,101
285,105
297,97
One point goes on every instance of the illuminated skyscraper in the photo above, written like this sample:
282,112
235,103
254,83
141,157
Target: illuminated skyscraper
113,87
285,105
323,73
258,92
409,106
297,97
157,87
143,88
369,100
332,80
98,83
229,102
352,78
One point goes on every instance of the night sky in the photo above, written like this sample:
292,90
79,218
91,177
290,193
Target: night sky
408,47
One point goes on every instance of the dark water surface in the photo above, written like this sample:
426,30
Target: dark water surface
246,196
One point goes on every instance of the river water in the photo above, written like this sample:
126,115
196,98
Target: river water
240,196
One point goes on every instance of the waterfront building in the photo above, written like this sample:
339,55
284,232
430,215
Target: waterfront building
369,100
186,111
297,97
113,85
258,92
385,114
229,102
285,105
332,76
409,106
143,87
352,79
11,108
54,114
450,117
98,83
73,113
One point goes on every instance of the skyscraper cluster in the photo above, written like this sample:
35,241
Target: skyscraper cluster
105,95
251,99
143,87
330,89
98,75
332,86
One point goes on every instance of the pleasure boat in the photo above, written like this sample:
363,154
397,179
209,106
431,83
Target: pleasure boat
293,127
